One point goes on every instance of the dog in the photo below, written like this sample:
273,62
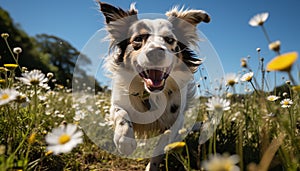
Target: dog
152,63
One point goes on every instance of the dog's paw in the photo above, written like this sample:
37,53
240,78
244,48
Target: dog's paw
124,137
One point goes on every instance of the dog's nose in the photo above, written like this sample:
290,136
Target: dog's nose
156,54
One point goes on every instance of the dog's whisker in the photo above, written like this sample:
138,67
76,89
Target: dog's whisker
181,50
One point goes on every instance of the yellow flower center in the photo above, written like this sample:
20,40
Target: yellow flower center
260,23
218,107
271,98
34,82
231,82
4,96
248,78
227,166
64,138
221,166
286,102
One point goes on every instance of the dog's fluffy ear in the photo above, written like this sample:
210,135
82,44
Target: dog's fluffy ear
185,22
185,28
118,20
193,17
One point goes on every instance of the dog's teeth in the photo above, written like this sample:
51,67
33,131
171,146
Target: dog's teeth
168,70
146,73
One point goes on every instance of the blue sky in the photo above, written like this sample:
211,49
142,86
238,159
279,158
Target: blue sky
228,31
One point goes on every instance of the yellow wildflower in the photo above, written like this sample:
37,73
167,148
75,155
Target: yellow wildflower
2,69
296,88
2,149
48,153
31,138
282,62
2,81
11,66
174,146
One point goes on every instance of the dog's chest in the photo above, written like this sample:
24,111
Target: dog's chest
155,112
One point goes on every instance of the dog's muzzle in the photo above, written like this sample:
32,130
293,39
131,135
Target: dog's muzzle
154,76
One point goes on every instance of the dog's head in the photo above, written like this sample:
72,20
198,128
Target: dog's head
153,47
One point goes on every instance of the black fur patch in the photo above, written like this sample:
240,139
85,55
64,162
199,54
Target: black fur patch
174,108
170,92
188,56
122,45
112,13
147,104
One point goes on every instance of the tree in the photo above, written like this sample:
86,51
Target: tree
62,55
30,56
47,53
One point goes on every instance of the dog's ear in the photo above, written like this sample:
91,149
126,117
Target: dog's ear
185,28
185,22
118,20
193,17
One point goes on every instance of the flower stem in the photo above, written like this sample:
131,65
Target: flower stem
215,142
35,98
240,147
266,34
210,146
11,52
188,157
254,87
167,156
262,75
291,78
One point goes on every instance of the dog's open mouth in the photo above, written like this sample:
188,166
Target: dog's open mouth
154,78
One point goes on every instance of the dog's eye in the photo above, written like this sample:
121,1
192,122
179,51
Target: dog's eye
169,40
138,39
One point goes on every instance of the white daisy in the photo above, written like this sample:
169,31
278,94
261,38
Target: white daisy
258,19
221,162
231,79
79,115
275,45
7,95
63,139
17,50
182,131
247,77
34,77
217,104
272,98
286,103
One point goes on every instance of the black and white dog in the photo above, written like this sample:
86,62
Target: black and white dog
152,68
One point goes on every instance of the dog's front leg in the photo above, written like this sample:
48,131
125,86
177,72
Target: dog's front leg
123,134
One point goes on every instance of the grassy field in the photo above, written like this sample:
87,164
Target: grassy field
258,130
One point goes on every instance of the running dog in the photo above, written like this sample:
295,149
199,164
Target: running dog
151,62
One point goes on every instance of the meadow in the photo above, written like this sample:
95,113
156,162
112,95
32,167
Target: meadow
258,130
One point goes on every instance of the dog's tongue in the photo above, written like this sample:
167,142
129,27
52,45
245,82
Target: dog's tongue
155,78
